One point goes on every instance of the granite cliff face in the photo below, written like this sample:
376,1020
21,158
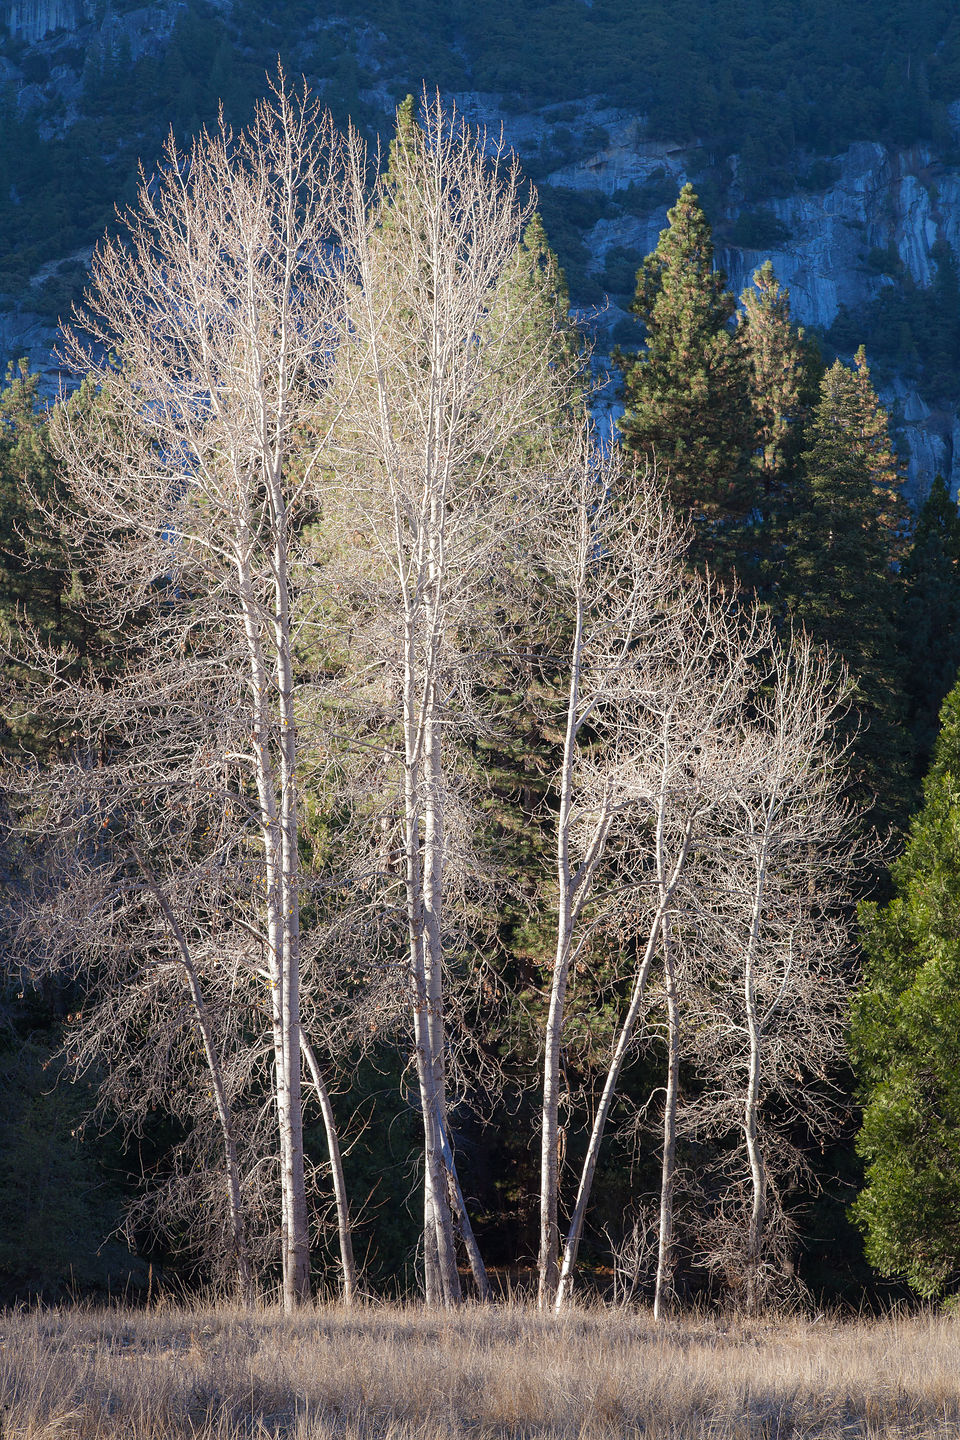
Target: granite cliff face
903,203
34,20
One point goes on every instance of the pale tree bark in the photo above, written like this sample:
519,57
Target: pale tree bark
615,562
623,1048
668,1161
220,304
348,1267
775,948
435,396
666,741
659,662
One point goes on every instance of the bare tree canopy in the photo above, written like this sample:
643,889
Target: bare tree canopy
333,481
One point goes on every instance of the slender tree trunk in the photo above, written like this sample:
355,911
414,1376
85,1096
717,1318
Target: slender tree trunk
348,1269
298,1284
550,1123
751,1107
433,868
572,1243
441,1281
278,828
459,1207
621,1050
238,1229
758,1180
419,1000
550,1117
664,1285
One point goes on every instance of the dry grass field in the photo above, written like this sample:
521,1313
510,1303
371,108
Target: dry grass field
482,1374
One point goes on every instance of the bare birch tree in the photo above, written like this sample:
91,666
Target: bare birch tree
615,562
773,950
438,377
220,304
659,667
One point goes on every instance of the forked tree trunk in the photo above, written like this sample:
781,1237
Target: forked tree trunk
620,1053
621,1050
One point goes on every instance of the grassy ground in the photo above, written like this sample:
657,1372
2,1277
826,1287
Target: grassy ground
497,1374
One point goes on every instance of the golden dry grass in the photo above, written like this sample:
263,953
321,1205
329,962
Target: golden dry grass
494,1374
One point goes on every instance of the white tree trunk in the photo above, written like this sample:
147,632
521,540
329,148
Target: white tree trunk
278,824
665,1260
751,1104
348,1269
550,1116
621,1050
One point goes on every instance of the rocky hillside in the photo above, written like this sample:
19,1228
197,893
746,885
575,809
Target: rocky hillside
866,234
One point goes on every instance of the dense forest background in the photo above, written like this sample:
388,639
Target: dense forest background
764,81
767,83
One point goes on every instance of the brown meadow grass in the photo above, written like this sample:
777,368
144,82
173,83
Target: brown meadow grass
500,1373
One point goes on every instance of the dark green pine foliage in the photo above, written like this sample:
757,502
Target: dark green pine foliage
406,136
41,586
687,393
930,639
778,363
840,576
535,289
904,1031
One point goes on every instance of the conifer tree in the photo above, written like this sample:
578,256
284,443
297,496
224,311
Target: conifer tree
777,368
846,538
686,394
930,627
774,346
41,569
32,582
904,1043
533,296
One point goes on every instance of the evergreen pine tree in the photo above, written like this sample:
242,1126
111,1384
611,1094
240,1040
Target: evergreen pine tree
41,579
687,393
775,359
846,539
930,627
535,288
904,1043
406,135
777,367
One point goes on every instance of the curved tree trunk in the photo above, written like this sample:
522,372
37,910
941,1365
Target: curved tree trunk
621,1050
348,1269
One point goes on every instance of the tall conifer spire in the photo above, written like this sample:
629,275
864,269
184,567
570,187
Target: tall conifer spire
686,394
